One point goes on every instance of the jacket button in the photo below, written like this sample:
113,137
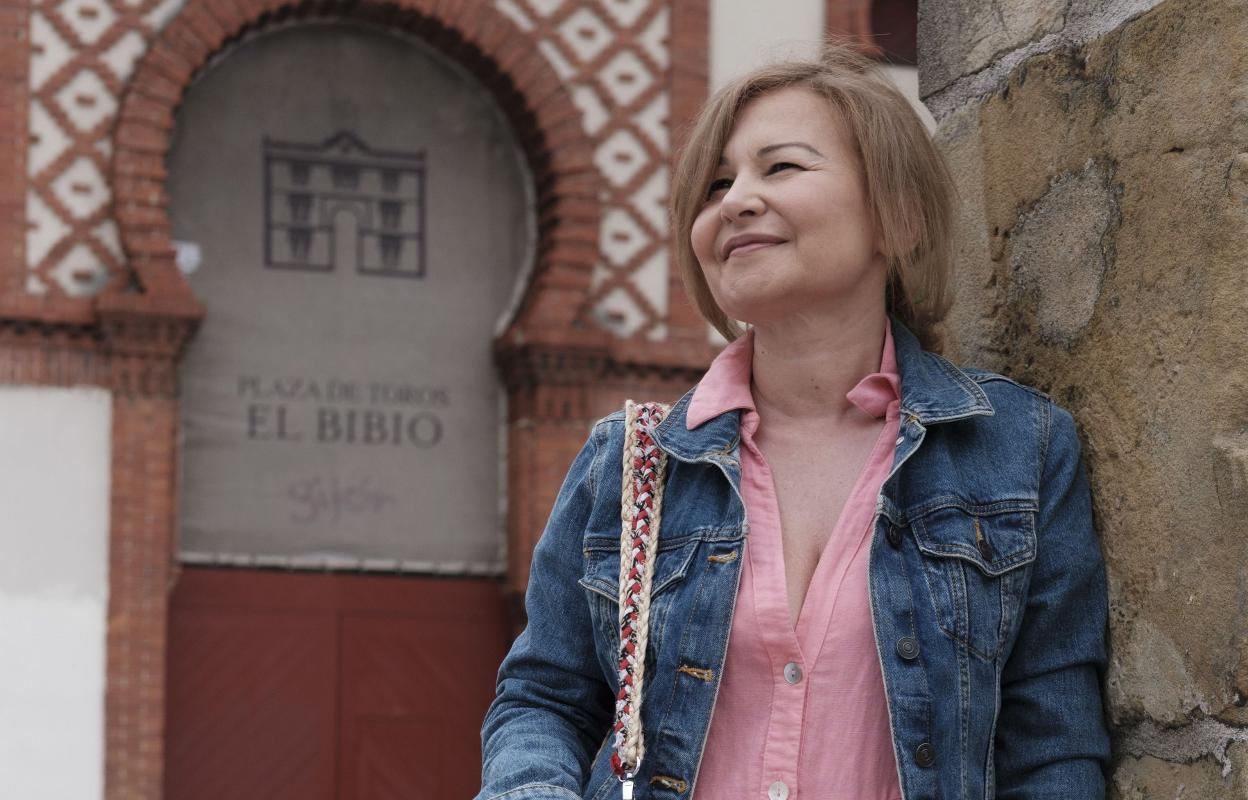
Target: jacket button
894,535
925,755
907,648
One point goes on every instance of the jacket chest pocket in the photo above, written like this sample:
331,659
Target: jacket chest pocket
601,580
974,559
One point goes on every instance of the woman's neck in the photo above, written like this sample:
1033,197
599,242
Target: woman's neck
804,367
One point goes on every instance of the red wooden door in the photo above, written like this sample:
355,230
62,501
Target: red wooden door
328,687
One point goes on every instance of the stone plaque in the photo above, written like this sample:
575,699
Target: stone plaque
354,212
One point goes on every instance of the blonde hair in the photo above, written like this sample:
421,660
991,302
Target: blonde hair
910,192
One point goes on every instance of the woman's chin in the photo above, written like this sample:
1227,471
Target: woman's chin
753,314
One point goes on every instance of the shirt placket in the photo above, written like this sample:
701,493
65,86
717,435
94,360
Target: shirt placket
788,674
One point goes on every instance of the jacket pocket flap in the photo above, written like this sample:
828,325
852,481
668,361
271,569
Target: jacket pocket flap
995,537
602,564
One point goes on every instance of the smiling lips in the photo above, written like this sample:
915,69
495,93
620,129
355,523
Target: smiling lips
744,243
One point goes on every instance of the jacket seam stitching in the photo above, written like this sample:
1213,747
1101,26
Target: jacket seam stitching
533,787
989,377
601,430
1045,440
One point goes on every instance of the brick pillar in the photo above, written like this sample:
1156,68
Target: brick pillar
549,414
141,353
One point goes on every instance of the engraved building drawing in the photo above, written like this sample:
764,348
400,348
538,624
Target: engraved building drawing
340,200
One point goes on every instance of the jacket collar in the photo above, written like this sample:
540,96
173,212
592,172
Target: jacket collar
933,390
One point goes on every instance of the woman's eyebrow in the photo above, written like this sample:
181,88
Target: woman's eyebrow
762,151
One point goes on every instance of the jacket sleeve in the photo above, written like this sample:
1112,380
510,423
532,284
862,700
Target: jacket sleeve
1051,740
552,706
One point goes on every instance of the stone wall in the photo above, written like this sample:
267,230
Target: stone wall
1101,153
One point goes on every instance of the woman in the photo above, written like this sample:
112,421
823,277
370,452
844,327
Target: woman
921,609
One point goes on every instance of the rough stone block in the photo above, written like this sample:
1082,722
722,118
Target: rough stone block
1102,245
1060,255
958,37
1151,778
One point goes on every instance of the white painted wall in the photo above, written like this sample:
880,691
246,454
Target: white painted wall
54,494
746,34
907,79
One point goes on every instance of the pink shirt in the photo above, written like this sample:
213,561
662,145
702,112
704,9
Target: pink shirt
801,711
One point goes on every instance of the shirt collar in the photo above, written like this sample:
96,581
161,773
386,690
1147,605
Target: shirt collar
726,385
933,390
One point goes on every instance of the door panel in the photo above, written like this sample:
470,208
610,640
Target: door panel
328,687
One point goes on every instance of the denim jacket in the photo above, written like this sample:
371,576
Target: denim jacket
987,597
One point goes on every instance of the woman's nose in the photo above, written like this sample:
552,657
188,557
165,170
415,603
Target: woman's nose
741,199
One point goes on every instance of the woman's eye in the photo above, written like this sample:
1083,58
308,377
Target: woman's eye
782,165
721,185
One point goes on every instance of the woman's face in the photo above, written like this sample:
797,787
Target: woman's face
785,229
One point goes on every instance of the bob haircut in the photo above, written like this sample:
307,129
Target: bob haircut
910,192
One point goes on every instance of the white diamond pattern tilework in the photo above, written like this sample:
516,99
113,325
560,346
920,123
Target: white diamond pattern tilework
124,54
619,313
585,34
545,8
620,157
626,77
86,100
88,18
47,140
651,280
599,277
107,234
515,13
618,49
653,121
48,51
553,57
651,199
654,39
593,113
161,13
79,49
43,228
81,188
625,12
79,273
621,236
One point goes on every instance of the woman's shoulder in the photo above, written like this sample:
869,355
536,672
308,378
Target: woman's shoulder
608,431
1008,393
612,421
1002,384
1057,425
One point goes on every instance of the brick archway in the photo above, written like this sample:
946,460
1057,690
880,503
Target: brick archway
150,320
546,121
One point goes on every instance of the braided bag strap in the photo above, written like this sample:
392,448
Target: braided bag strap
641,499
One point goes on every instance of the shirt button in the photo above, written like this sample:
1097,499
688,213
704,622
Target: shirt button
925,755
907,648
900,439
778,791
793,675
